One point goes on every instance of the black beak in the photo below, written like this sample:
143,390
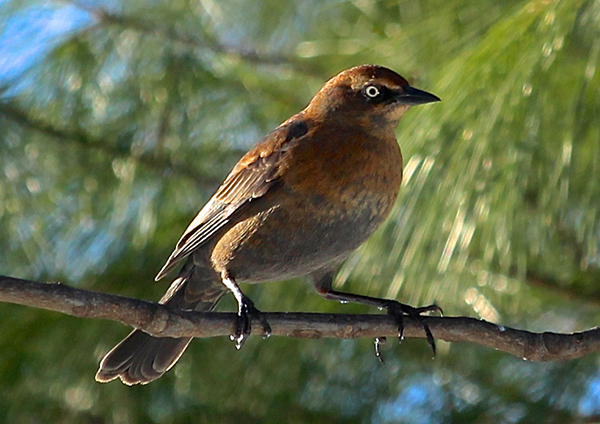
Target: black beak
414,96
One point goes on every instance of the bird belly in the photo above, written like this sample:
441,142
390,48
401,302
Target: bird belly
290,241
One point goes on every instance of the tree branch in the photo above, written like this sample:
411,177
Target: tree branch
160,163
160,320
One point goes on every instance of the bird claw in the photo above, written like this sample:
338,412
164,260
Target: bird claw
399,310
378,342
243,326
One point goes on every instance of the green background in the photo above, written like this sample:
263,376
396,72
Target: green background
119,119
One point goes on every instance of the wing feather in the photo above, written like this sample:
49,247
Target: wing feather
250,179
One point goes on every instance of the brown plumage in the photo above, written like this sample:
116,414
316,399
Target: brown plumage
295,205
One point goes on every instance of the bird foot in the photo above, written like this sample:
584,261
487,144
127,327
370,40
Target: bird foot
399,310
243,327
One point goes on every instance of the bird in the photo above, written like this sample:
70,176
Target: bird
295,205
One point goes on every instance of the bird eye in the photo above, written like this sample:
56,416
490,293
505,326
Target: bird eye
372,91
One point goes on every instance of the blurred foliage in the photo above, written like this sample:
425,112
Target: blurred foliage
119,119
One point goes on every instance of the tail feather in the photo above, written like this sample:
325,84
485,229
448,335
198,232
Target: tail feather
141,358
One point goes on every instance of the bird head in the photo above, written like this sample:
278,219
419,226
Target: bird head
368,93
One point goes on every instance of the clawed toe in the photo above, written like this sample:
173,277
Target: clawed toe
429,308
378,342
242,330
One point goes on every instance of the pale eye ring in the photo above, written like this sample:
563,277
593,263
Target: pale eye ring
372,91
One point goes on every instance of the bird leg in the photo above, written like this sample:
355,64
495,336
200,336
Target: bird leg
398,310
246,311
